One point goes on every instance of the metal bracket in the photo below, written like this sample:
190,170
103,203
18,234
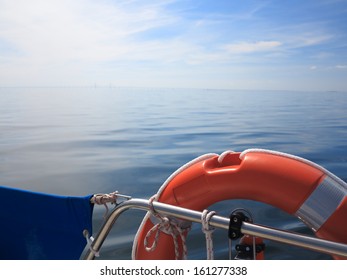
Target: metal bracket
235,224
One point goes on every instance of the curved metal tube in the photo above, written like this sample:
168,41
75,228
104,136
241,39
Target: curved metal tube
216,221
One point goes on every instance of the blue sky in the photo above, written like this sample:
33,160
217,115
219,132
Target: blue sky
230,44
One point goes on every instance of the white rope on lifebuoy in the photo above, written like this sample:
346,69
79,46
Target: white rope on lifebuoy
208,231
167,226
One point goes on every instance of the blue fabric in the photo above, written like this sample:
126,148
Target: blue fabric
42,226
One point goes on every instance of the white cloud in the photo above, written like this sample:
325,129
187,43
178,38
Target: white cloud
79,42
77,30
323,55
251,47
58,39
311,40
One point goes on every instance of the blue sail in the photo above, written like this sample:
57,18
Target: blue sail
42,226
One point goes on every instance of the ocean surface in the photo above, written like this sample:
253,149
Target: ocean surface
79,141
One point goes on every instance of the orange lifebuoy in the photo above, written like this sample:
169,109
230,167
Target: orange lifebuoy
295,185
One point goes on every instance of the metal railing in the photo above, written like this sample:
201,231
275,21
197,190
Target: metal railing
291,238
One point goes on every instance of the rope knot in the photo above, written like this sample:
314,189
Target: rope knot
103,199
167,226
205,223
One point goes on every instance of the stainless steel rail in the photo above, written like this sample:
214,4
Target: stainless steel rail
216,221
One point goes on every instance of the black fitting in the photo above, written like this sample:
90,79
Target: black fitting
249,248
235,224
245,251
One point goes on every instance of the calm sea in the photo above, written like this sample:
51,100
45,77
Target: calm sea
78,141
